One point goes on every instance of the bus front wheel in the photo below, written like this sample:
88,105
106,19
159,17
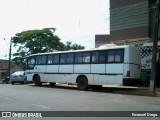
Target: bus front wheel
37,81
82,83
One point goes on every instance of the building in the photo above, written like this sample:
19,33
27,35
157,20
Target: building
4,68
131,21
101,39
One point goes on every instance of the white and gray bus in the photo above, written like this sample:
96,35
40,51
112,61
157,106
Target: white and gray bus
118,65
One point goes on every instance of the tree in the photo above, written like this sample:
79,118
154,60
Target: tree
35,41
75,46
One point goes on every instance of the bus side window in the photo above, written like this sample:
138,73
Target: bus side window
44,58
50,59
63,58
70,58
78,58
119,56
86,57
111,56
56,59
95,57
102,56
38,60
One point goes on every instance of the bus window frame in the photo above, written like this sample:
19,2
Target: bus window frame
51,56
75,58
115,50
40,60
65,60
73,55
90,56
29,58
99,53
105,56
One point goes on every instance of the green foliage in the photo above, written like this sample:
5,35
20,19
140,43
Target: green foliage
35,41
38,41
75,46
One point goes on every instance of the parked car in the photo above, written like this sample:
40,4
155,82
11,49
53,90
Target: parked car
18,77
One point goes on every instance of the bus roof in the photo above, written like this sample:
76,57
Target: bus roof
74,51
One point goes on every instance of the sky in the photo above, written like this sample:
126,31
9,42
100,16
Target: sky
75,20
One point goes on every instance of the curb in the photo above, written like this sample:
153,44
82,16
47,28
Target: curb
158,94
152,94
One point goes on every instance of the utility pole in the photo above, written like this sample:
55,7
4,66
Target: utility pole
154,50
9,64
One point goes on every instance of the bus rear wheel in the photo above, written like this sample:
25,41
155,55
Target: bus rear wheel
82,83
37,81
52,84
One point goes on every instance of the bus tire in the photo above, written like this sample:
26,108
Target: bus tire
52,84
82,83
37,81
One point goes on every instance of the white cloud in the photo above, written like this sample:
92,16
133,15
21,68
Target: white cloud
75,20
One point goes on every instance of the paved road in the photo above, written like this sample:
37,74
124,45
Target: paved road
46,98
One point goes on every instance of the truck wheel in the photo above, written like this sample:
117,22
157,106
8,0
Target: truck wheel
82,83
37,81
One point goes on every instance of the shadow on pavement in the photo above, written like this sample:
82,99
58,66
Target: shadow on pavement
128,90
